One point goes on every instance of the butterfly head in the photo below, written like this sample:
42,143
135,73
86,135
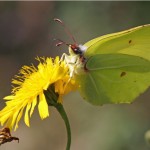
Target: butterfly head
77,49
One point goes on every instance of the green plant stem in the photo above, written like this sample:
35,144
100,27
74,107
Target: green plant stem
52,98
63,114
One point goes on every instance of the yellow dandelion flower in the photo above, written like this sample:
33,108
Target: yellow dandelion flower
30,86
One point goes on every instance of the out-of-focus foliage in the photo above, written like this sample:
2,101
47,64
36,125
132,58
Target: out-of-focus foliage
27,30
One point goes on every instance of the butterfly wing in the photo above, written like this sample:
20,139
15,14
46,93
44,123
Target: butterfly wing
114,78
135,41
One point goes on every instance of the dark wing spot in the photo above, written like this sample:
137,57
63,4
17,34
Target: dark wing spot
122,74
130,41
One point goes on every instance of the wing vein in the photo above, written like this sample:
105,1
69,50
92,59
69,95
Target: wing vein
113,67
94,83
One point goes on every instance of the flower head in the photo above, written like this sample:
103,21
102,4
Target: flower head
29,89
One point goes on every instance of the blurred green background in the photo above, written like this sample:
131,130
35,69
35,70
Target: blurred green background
27,30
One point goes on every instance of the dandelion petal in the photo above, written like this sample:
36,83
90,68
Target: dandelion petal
33,106
10,97
18,118
26,117
43,107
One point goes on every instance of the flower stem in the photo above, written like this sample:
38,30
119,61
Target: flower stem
52,98
63,114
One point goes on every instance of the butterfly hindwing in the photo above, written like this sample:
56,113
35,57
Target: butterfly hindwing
114,78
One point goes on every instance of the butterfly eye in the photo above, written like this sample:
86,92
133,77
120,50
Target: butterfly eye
76,49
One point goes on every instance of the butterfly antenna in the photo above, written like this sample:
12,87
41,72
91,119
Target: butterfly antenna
60,42
66,29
